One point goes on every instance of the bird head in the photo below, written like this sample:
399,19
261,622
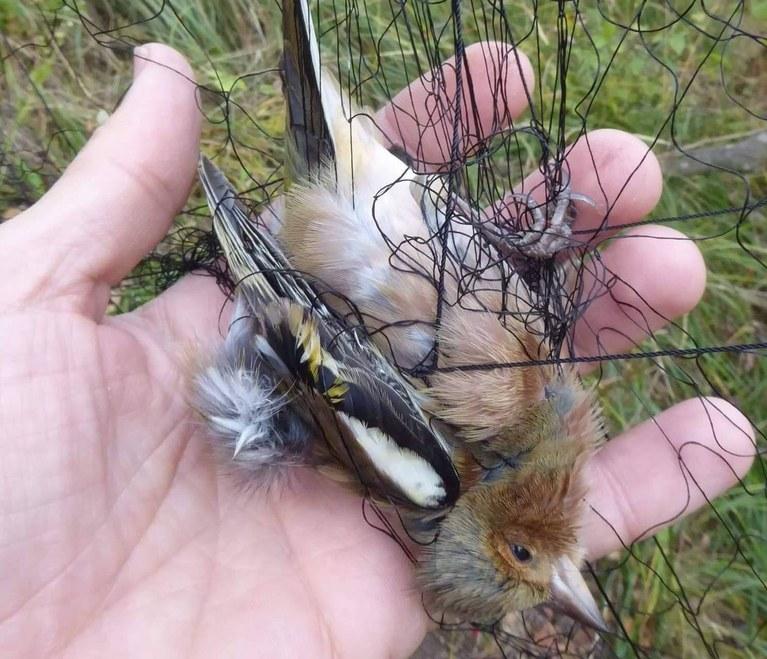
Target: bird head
509,544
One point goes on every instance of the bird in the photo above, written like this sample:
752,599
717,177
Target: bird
506,447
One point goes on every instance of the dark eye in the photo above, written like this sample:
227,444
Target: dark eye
521,553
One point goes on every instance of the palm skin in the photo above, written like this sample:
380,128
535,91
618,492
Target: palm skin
118,530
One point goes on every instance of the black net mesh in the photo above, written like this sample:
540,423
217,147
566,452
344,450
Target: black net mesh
529,103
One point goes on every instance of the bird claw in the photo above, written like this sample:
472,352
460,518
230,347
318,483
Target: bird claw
549,233
551,229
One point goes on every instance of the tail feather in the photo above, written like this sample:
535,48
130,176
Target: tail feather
248,406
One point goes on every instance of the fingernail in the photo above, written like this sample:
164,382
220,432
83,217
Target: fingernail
141,56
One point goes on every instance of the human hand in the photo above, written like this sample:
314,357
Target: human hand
119,532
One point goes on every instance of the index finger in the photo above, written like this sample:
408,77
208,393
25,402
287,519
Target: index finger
496,82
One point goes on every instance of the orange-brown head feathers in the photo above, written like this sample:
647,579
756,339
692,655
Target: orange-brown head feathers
510,543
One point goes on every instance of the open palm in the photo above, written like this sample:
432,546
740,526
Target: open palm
117,529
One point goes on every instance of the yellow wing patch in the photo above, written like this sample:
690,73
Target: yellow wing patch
304,328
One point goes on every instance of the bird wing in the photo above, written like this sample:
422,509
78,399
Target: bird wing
253,257
388,428
300,336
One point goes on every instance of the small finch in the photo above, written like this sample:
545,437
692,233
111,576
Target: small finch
490,459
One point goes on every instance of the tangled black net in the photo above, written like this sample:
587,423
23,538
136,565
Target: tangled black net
685,77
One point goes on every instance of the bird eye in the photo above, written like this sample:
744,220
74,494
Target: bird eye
522,554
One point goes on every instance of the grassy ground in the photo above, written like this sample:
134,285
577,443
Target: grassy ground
62,74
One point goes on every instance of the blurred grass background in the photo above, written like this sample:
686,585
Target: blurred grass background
66,65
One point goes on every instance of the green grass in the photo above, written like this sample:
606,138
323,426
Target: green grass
57,82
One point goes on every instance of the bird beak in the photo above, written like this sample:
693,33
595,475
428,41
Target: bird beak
571,595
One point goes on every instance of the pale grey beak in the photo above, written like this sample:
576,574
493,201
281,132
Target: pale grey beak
571,595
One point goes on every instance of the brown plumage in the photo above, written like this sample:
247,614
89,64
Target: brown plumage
364,238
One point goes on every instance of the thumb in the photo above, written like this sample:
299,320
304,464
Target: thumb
117,198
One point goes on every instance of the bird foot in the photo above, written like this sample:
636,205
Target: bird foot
551,229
